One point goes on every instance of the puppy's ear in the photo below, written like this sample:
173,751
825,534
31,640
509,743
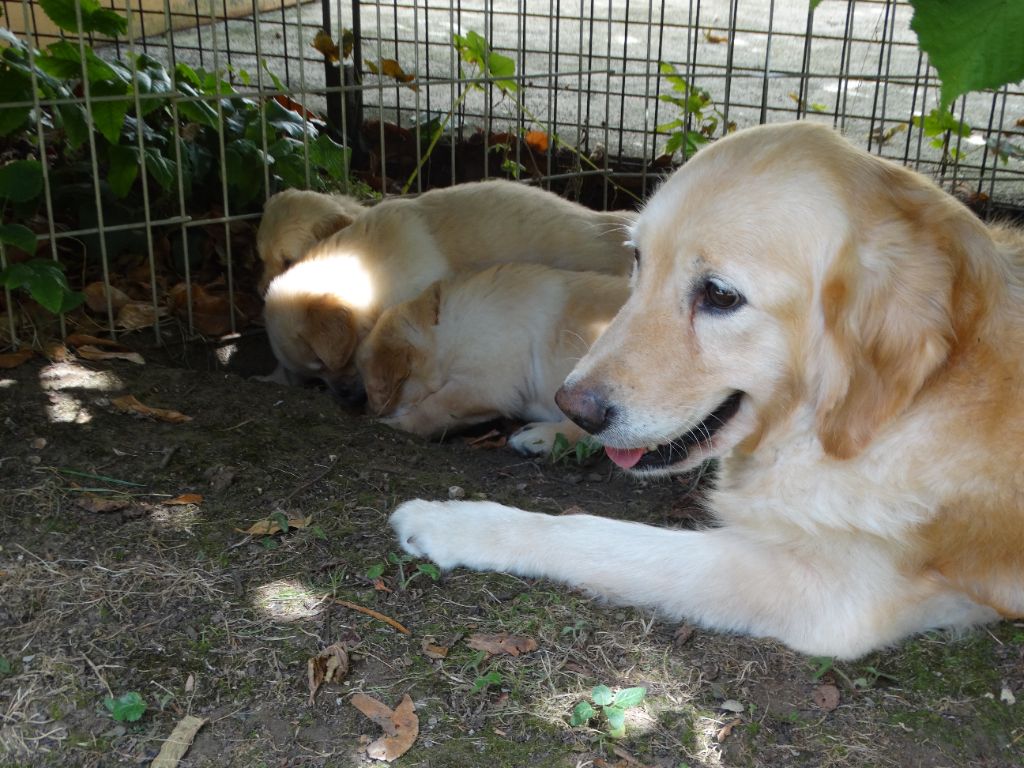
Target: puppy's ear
425,309
388,369
334,223
898,297
330,331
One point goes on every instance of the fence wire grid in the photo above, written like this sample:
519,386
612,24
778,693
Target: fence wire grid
597,100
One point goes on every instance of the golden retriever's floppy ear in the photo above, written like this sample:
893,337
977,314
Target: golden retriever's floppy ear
425,309
385,372
899,295
334,223
331,332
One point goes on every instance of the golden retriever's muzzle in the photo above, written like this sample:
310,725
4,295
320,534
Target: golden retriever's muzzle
587,407
350,392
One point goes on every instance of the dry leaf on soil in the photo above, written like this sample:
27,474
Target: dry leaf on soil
139,314
185,498
826,697
83,339
99,505
326,45
493,439
391,68
96,354
129,404
96,297
328,666
14,359
268,526
726,730
401,726
432,650
513,645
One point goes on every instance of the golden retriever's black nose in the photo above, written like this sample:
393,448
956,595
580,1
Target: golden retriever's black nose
587,407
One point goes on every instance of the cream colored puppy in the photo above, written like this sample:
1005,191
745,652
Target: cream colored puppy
293,221
491,344
319,310
846,338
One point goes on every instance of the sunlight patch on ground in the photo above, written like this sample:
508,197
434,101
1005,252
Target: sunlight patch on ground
287,600
64,407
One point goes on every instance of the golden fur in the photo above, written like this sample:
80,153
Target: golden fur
496,343
293,221
864,394
396,249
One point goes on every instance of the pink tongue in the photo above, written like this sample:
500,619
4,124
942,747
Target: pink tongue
624,458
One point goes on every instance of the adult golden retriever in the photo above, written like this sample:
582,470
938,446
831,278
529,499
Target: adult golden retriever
485,345
318,311
848,340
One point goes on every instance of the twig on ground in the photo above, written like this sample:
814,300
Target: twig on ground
374,614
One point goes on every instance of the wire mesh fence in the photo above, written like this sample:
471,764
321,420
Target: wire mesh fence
158,145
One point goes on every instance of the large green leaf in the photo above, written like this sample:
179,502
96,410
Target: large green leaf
108,116
21,180
331,156
244,163
122,169
153,82
473,47
94,17
19,236
45,282
972,45
76,130
160,168
64,60
13,88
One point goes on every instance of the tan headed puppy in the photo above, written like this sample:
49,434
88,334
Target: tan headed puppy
491,344
846,338
293,221
319,310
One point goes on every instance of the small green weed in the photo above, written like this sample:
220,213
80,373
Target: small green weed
127,708
612,706
583,450
400,562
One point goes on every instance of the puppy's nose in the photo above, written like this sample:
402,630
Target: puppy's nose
587,407
349,393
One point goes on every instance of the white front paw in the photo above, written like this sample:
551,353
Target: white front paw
428,529
534,440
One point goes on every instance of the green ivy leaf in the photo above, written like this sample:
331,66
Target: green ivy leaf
63,60
21,181
108,116
160,168
244,163
375,571
122,169
629,697
582,713
602,695
127,708
616,721
76,130
332,157
13,88
19,236
45,282
153,83
94,17
473,47
973,45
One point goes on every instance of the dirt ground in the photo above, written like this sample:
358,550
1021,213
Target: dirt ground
106,589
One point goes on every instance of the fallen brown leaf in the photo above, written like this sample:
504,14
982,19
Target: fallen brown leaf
537,141
711,37
493,439
96,297
94,353
139,314
328,666
391,68
726,730
502,643
81,339
14,359
57,353
432,650
129,404
268,526
185,498
100,505
826,697
682,634
401,726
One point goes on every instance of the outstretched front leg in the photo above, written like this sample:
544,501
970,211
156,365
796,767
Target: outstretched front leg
844,601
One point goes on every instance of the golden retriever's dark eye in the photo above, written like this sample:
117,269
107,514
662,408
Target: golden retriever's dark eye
718,296
636,258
